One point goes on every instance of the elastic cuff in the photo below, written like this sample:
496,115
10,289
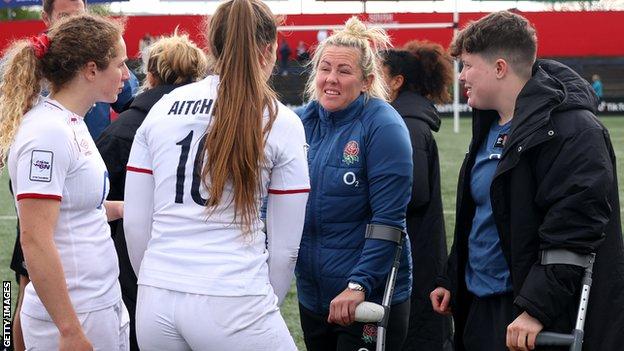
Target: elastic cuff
531,309
443,282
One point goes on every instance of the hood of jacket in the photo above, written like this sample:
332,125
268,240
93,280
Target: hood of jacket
554,87
413,105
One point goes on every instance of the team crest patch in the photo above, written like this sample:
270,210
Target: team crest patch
351,153
369,333
41,165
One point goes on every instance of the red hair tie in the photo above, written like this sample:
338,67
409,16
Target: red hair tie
40,44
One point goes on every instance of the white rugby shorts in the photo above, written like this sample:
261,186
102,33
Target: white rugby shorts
171,320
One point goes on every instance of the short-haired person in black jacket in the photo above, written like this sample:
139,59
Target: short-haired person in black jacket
539,176
171,62
418,76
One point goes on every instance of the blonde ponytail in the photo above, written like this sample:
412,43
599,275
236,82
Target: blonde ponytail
19,91
56,56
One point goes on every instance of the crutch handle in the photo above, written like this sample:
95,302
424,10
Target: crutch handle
369,312
554,339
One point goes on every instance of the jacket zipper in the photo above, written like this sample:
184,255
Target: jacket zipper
318,164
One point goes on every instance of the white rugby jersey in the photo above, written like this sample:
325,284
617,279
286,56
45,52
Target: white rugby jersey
188,249
54,157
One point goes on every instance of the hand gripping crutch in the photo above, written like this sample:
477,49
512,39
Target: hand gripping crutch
574,340
370,311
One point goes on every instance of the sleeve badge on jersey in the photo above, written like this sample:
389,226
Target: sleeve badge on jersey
41,165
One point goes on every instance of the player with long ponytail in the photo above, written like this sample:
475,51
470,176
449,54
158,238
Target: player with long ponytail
200,165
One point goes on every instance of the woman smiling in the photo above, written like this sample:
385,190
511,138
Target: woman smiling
361,173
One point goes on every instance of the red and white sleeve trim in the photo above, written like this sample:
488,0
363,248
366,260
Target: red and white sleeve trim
286,192
138,170
38,196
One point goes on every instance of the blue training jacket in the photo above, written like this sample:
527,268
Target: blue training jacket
360,162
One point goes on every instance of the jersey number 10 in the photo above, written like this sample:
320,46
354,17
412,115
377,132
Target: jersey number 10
197,166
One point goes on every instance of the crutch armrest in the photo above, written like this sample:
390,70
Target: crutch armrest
384,232
563,256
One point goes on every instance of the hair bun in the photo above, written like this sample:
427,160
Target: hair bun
356,29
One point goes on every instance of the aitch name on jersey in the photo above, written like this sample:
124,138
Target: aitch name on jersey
193,106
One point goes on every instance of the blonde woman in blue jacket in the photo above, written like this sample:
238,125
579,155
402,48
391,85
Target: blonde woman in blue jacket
361,172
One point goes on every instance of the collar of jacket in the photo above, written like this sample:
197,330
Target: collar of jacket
148,98
351,112
552,87
410,104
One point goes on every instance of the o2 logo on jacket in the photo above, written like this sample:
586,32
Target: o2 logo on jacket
351,152
349,178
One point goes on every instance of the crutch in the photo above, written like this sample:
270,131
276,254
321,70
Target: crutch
575,339
369,311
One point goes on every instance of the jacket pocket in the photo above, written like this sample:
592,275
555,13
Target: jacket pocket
344,195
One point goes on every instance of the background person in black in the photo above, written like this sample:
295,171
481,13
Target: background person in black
172,62
554,187
416,79
285,52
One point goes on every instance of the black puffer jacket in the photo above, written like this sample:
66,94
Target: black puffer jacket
425,224
555,187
